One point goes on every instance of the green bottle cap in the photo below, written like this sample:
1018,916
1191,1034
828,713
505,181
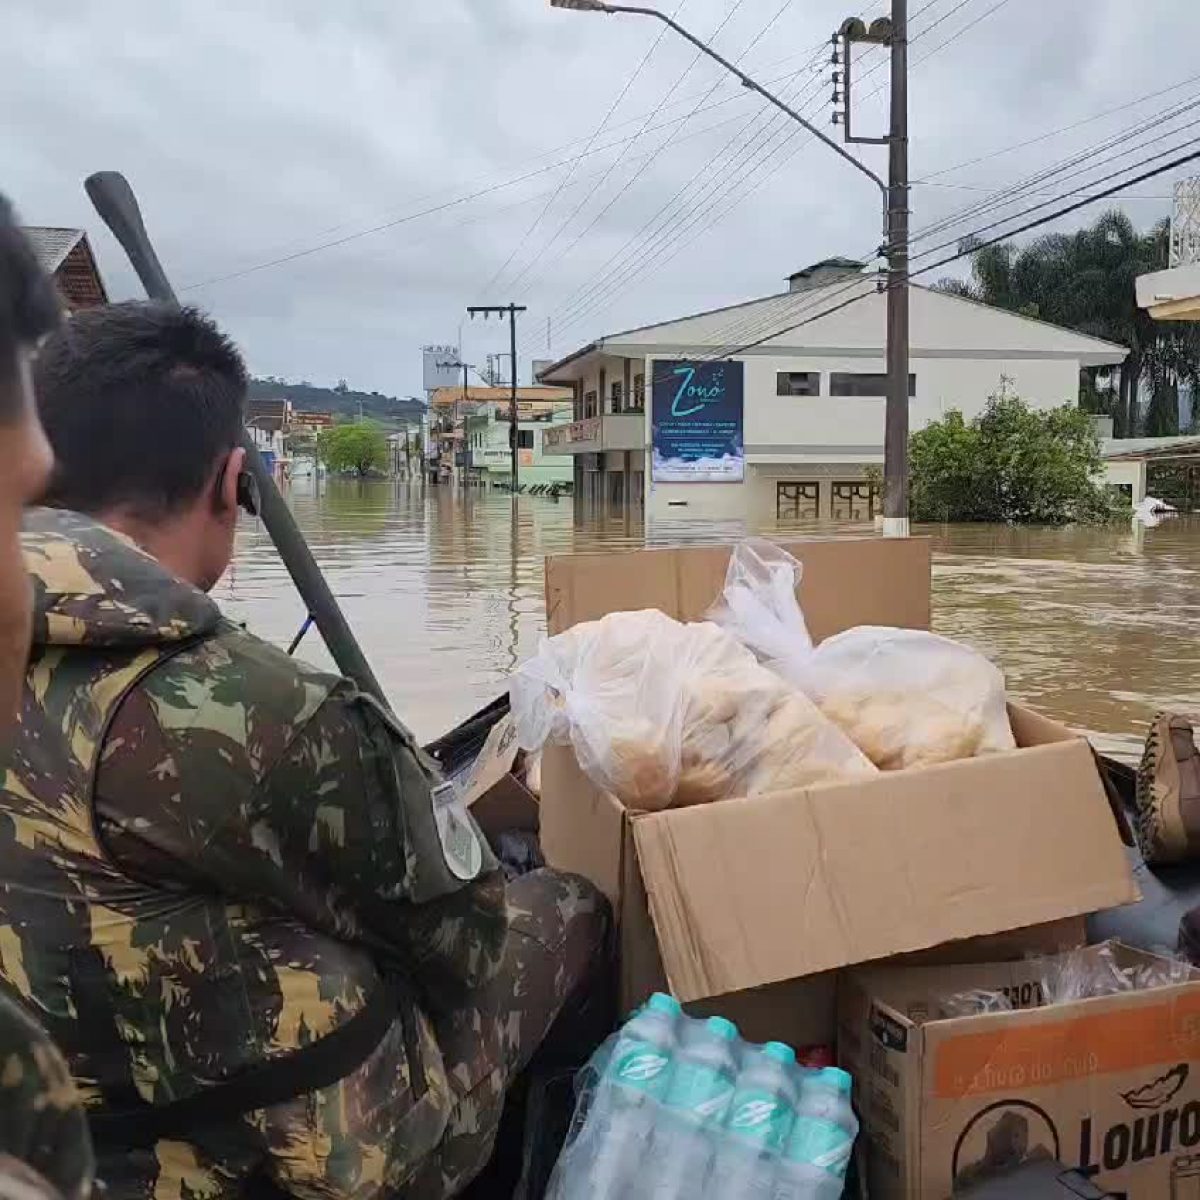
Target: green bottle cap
780,1053
662,1003
719,1027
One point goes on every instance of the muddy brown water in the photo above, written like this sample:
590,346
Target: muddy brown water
1096,627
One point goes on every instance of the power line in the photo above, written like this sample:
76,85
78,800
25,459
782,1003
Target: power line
1060,169
600,294
633,78
754,325
1053,133
616,161
651,235
974,248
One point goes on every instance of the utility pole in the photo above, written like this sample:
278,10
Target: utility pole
510,311
885,31
893,33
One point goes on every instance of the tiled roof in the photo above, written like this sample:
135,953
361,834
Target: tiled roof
52,245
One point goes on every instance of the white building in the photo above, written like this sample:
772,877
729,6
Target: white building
801,378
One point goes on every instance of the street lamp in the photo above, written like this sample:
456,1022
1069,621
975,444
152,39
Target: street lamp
894,194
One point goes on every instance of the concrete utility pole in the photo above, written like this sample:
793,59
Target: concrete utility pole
892,32
510,311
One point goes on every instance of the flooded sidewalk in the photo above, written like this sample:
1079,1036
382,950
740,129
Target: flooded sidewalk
1096,627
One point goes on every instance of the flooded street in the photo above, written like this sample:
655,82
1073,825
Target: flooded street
1095,627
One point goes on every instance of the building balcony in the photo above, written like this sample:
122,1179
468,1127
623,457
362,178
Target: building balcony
596,435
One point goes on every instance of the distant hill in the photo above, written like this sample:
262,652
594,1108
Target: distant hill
342,401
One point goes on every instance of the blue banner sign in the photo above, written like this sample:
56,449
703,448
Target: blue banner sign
698,422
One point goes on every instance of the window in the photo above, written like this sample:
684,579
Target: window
798,383
589,405
524,439
798,500
638,399
855,383
618,397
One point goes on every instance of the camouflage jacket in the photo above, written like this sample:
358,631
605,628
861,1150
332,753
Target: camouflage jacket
45,1151
208,859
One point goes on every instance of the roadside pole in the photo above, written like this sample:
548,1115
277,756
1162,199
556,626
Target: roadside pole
510,311
884,31
895,465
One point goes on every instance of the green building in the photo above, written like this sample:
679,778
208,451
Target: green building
489,457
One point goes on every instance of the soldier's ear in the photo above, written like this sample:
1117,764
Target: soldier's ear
225,485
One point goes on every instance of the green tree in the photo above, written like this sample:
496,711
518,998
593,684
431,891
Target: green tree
1012,464
361,448
1086,281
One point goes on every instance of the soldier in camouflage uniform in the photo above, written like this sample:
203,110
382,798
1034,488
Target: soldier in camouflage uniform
45,1151
217,863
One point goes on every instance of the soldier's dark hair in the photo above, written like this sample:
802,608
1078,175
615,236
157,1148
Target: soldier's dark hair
29,306
139,401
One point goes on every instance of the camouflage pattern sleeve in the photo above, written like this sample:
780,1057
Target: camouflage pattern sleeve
335,802
42,1126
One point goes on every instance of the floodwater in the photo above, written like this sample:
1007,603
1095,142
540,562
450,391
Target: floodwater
1096,627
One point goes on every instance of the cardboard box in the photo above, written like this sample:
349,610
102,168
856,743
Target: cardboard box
1108,1086
765,896
499,801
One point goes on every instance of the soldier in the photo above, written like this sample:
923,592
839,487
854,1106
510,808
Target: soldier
44,1146
29,309
268,938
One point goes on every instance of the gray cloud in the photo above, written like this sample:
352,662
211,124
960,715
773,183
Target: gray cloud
257,128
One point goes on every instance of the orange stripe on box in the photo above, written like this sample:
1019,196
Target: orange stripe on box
1042,1053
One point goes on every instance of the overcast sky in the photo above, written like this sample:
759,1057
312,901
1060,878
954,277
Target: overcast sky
256,129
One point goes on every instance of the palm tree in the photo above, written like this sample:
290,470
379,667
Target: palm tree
1086,281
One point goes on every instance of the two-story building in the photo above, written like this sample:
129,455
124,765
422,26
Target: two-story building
775,408
489,449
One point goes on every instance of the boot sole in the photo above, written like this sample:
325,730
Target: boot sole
1161,832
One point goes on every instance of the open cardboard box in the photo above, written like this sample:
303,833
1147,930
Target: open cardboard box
1105,1085
746,907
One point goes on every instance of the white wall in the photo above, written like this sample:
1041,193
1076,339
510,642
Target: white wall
828,430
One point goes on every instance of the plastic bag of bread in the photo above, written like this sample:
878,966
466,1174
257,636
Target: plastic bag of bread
907,698
660,713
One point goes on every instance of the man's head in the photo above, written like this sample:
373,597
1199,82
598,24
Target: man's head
144,406
29,309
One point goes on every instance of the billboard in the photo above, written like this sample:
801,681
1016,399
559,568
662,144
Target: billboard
442,367
697,417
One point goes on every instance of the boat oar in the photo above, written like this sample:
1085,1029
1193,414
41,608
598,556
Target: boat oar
118,207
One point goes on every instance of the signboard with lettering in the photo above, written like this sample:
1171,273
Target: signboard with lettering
587,430
441,367
698,410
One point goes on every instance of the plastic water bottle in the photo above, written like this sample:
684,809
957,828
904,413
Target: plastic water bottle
758,1124
694,1108
606,1161
818,1151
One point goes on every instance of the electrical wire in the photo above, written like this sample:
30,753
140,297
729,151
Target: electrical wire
616,161
633,78
570,317
673,220
974,247
613,273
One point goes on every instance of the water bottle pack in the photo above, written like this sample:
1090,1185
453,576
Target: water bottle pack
672,1108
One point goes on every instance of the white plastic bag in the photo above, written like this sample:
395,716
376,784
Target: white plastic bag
907,698
660,713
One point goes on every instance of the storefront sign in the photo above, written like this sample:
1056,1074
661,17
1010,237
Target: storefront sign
577,431
698,422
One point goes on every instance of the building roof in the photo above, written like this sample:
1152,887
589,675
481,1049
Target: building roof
1134,449
447,397
846,265
848,317
52,245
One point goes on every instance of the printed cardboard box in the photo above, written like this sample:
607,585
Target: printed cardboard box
746,907
1109,1086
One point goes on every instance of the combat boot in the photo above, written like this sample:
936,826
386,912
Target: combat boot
1168,792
